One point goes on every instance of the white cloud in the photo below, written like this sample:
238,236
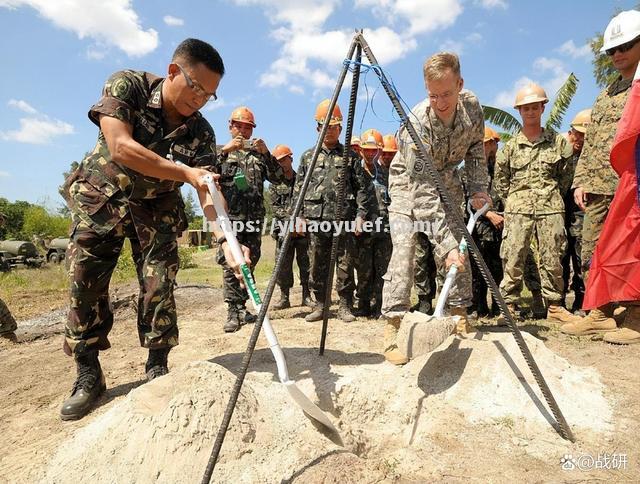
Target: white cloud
455,46
96,53
22,106
113,22
489,4
4,174
172,21
295,89
311,55
569,48
547,72
215,105
36,129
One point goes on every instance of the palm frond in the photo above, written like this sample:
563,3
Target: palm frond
504,137
563,100
500,118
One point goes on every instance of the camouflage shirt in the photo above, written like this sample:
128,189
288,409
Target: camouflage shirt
281,197
594,173
380,179
531,178
411,190
322,193
135,98
246,203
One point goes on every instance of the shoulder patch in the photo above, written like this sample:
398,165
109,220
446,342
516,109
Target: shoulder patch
121,88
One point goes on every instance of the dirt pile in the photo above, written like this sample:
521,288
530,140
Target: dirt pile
389,418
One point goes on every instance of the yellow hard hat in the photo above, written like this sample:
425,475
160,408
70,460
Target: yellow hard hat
581,121
490,134
531,93
321,113
371,139
390,144
243,115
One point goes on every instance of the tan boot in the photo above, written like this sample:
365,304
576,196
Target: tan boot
391,352
515,314
557,314
629,333
596,322
462,327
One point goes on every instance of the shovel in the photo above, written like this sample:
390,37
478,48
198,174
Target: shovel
310,408
420,334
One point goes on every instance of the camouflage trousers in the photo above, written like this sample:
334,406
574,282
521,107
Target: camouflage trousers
232,291
572,260
319,257
373,255
490,251
92,259
7,323
549,233
425,267
298,249
595,214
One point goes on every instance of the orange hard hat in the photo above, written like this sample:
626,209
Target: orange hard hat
371,139
321,113
390,144
280,151
355,141
581,121
490,134
243,115
531,93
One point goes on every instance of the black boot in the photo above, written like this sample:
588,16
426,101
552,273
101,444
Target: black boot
307,300
423,305
363,309
283,303
86,389
232,324
244,315
576,308
157,363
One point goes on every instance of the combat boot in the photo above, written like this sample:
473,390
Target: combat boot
157,364
307,300
596,322
87,388
315,315
462,326
423,305
558,314
232,324
629,333
538,309
344,311
391,352
364,309
515,312
244,316
283,303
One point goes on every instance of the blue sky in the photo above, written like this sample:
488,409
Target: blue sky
282,58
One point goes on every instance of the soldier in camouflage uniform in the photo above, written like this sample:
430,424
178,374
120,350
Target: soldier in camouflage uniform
7,323
595,181
574,216
320,207
299,243
531,178
244,164
451,124
374,244
129,187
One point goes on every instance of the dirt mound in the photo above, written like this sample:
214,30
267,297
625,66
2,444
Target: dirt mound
389,417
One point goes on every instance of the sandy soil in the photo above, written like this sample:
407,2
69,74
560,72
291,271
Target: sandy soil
469,411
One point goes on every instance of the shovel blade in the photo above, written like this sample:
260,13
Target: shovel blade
310,408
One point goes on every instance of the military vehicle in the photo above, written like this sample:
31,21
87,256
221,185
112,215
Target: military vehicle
15,252
57,250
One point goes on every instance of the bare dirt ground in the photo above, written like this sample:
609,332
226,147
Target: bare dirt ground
437,431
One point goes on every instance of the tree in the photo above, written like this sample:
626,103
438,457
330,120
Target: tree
603,69
511,125
40,224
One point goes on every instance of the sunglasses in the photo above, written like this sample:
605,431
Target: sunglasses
622,48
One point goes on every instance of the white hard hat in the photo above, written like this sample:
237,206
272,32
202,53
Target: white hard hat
623,28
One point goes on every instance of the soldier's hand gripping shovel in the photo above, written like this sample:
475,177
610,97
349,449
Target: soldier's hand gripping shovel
420,334
310,408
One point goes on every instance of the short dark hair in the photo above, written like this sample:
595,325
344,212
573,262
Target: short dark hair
194,51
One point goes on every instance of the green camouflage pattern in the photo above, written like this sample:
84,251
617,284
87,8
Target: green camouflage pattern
7,322
594,173
595,214
280,194
573,224
532,178
247,204
233,292
319,257
425,268
110,202
320,201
